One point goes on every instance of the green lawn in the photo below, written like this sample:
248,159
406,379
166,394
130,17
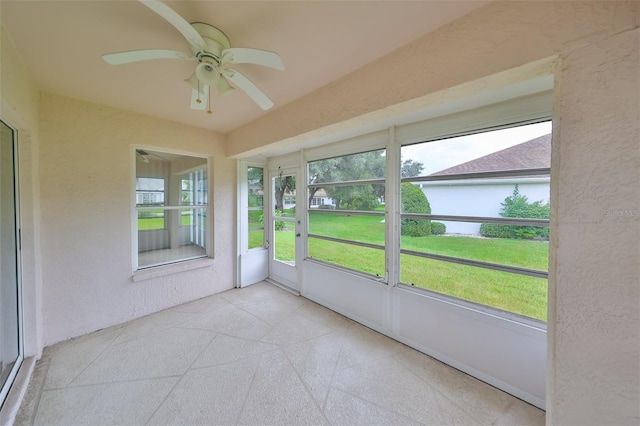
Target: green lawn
511,292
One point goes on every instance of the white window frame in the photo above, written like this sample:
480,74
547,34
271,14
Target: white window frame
379,278
243,204
161,268
543,172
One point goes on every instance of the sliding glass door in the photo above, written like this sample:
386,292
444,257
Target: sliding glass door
10,307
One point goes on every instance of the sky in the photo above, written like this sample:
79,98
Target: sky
440,155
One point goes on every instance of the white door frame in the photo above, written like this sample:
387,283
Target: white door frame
283,272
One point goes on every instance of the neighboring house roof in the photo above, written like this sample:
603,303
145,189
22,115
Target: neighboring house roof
533,154
320,192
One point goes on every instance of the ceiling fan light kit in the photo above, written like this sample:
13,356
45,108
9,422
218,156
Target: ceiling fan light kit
211,48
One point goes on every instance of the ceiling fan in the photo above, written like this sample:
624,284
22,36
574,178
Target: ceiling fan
211,48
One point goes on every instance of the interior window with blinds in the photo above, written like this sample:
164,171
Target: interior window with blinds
172,206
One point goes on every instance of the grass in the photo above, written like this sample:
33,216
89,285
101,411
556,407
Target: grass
520,294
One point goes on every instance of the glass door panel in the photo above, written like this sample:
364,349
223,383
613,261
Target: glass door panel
10,347
284,228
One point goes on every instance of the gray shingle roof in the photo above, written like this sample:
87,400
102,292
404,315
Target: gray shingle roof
533,154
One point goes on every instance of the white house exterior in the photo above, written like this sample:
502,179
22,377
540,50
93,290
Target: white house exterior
320,198
483,196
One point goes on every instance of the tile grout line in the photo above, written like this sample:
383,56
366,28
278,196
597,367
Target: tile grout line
375,404
87,385
255,316
107,346
438,392
236,360
164,328
164,400
335,368
246,396
306,388
291,311
435,392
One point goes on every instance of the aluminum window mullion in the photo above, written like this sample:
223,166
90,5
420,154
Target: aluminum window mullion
351,242
541,223
393,206
379,181
478,263
498,174
348,212
143,208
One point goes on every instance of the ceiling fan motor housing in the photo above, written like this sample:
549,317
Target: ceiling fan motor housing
216,41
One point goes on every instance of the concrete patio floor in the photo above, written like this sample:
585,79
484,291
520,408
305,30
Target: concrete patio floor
257,355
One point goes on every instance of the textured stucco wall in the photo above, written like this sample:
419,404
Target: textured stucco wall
19,98
86,182
594,346
500,36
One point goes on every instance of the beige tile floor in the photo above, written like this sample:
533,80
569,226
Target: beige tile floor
257,355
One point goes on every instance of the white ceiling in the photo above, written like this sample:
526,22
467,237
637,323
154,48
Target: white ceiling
61,44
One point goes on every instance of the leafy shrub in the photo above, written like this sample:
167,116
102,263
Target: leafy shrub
414,201
494,230
279,225
438,228
256,216
517,205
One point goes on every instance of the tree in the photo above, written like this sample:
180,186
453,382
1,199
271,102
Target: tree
255,179
367,165
414,201
411,168
322,171
282,185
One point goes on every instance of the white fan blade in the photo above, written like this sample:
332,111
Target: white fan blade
177,21
243,55
202,97
249,88
145,55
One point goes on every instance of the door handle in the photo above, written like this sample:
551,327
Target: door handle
297,235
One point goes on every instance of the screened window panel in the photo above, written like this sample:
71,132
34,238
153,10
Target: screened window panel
345,198
255,209
519,294
474,217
